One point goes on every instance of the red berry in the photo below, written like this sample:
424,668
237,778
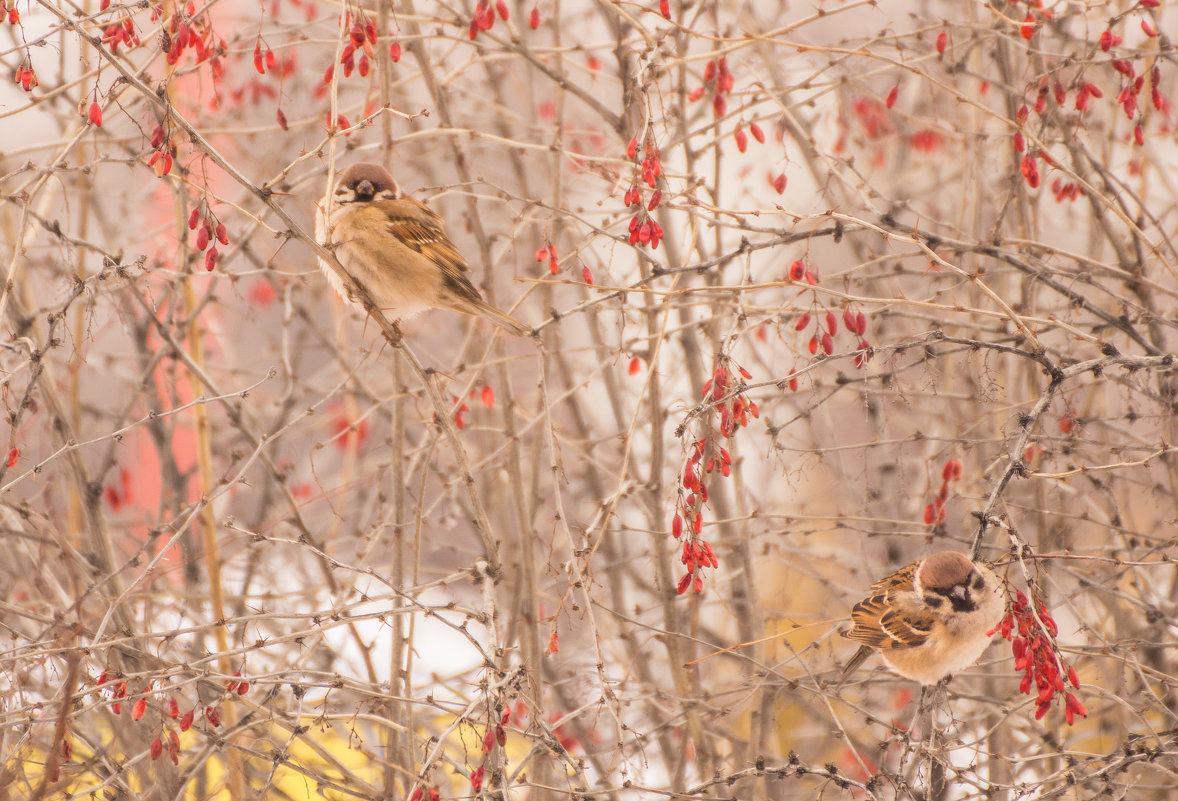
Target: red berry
892,95
942,41
757,133
534,19
1027,29
96,113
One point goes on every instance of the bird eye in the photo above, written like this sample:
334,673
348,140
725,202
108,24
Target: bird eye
933,601
978,582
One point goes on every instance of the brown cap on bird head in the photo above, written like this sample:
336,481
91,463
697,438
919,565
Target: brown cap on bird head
366,180
944,570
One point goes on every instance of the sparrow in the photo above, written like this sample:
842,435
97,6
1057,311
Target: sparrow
929,619
397,249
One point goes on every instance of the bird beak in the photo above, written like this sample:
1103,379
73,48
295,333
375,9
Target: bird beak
365,189
959,591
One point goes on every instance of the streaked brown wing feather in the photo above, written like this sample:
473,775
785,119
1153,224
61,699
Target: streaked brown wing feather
903,580
905,631
425,232
865,615
877,624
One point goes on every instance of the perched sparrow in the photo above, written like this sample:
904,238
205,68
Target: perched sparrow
930,618
397,249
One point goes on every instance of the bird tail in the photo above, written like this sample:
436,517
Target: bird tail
502,319
854,662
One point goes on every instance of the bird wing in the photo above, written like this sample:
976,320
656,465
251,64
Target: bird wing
421,229
882,622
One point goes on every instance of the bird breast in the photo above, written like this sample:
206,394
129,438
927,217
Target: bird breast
400,280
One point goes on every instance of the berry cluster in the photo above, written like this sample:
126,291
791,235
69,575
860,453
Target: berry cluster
205,223
186,30
644,229
112,686
1050,88
934,513
826,323
727,394
162,148
1031,631
263,59
549,252
484,16
362,39
721,81
26,77
495,735
121,32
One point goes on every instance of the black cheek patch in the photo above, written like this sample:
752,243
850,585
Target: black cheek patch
933,601
965,604
978,582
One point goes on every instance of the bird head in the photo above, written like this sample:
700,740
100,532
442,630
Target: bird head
364,181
